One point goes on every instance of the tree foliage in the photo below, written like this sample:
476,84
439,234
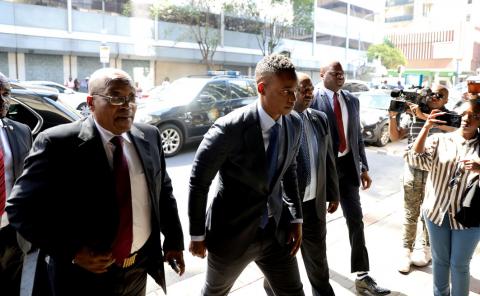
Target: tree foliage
390,56
204,24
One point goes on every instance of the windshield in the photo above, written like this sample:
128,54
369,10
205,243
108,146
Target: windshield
375,101
181,91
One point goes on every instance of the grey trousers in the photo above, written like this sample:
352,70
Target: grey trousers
280,269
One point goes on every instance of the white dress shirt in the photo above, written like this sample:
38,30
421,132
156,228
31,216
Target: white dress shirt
141,206
343,106
8,163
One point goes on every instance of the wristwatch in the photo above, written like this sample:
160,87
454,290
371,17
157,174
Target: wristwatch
393,116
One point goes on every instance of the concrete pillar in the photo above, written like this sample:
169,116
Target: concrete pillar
21,66
12,65
67,69
151,75
73,67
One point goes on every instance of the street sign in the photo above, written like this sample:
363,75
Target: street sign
104,54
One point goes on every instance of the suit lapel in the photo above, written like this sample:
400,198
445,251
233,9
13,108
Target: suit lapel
288,134
253,138
143,151
350,111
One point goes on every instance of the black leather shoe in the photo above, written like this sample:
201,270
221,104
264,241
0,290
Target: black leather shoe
368,286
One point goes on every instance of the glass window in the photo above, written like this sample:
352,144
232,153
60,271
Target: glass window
20,113
216,90
338,6
241,89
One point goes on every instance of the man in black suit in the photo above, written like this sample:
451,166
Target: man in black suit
95,197
254,215
15,142
342,109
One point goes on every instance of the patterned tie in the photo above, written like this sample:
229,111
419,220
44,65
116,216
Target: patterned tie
272,159
3,189
124,239
304,175
342,142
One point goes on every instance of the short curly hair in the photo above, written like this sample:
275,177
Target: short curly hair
274,64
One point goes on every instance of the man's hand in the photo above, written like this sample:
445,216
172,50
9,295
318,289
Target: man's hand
332,207
294,238
366,180
175,258
472,165
96,263
198,248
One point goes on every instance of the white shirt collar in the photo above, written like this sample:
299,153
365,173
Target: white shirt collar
330,93
107,135
266,122
1,123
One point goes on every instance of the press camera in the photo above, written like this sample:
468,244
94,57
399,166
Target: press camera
415,95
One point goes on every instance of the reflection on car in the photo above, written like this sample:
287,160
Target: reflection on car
374,116
38,109
184,110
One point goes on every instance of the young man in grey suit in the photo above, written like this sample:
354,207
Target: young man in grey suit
15,142
254,215
342,109
95,197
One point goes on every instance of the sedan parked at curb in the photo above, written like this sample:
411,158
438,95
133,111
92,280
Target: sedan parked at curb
374,116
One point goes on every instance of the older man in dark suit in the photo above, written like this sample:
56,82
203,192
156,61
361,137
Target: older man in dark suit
254,215
342,109
15,142
95,196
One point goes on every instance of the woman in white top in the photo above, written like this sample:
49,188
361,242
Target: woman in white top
452,160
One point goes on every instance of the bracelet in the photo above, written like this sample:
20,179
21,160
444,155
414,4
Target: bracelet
393,116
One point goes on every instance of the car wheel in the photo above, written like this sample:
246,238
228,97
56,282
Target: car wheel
384,136
172,139
84,109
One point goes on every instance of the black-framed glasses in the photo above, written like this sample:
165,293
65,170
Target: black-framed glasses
118,101
457,175
436,95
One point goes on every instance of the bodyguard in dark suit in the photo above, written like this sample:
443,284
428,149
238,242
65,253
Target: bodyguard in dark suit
342,109
95,197
15,142
254,216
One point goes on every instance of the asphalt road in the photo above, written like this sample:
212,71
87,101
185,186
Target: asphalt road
385,163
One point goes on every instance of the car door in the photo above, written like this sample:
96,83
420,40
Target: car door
210,104
242,92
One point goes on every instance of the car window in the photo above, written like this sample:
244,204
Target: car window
20,113
375,101
216,90
241,89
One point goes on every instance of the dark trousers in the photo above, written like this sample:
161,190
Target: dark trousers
280,269
352,211
314,251
11,258
67,279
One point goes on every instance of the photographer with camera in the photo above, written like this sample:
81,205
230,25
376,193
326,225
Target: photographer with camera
418,105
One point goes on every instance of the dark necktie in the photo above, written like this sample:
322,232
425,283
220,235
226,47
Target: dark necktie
304,175
3,189
124,239
342,142
272,159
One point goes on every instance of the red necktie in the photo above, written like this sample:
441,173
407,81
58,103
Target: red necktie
342,142
124,239
3,189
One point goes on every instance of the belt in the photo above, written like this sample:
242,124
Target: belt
129,261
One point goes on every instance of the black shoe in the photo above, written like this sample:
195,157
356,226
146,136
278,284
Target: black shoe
368,286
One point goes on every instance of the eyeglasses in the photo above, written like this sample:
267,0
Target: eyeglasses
436,95
118,101
456,176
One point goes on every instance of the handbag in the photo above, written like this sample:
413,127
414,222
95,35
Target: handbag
469,213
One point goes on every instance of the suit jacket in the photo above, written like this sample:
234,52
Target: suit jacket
354,135
327,180
20,141
234,147
65,198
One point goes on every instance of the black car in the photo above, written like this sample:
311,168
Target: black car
186,109
374,116
38,109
